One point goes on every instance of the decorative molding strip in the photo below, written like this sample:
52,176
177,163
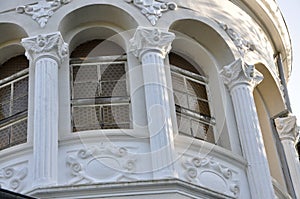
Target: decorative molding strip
103,162
211,174
243,45
12,177
42,11
153,9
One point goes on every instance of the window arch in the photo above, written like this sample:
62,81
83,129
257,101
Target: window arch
100,97
191,99
13,101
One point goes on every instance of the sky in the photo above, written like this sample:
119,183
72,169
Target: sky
290,11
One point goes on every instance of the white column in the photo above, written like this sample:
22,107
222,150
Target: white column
150,46
288,134
45,53
241,79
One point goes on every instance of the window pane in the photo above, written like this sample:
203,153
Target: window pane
20,96
113,88
199,130
85,73
198,106
4,138
196,89
4,110
113,71
5,94
86,118
116,115
184,126
19,133
180,99
178,82
85,90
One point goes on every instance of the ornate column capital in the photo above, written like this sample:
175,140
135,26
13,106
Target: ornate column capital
239,72
287,127
46,45
151,39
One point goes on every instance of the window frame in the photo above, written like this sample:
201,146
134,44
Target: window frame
100,101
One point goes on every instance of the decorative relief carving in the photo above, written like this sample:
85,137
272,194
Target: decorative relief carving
42,11
287,127
211,174
151,39
12,177
240,72
153,9
52,44
243,45
104,162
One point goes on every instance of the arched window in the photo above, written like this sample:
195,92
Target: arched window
13,101
191,99
100,97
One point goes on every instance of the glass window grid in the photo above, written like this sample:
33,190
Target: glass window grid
190,121
13,126
99,102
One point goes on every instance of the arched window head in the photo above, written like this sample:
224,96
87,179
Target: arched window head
191,99
13,101
100,97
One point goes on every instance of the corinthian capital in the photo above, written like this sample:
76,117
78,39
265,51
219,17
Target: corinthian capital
151,39
46,45
239,72
287,127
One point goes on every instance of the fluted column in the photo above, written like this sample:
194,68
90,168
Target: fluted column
241,79
150,46
288,134
45,52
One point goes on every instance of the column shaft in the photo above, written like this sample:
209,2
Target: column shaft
241,79
45,121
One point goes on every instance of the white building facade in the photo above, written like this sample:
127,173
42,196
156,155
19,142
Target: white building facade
146,99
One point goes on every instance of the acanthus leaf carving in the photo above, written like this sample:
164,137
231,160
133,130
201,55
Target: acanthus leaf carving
52,44
240,72
287,127
195,166
242,45
151,39
12,177
115,162
153,9
42,11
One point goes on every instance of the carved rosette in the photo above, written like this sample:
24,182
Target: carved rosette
12,177
211,174
151,39
238,72
287,128
153,9
42,10
242,45
103,162
51,45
